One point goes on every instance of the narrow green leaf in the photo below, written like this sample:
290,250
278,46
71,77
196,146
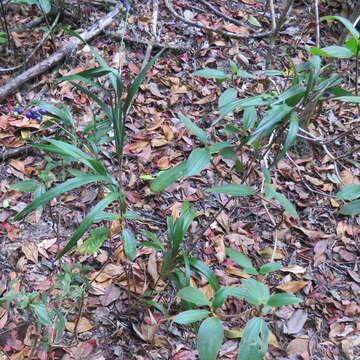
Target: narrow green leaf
270,267
219,146
271,118
199,133
61,112
205,270
239,258
198,160
129,244
227,96
94,241
352,208
60,189
168,177
233,190
244,74
352,99
352,44
157,306
211,74
133,89
254,341
193,295
210,338
270,192
249,118
283,299
349,26
88,221
333,51
290,138
77,154
349,192
253,21
190,316
289,93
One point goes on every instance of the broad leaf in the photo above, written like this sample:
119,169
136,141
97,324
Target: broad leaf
224,292
198,160
283,299
129,244
26,185
210,338
193,295
349,192
352,208
233,190
270,267
256,292
190,316
254,341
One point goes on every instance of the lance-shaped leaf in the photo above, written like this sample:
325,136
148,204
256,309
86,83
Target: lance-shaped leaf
210,338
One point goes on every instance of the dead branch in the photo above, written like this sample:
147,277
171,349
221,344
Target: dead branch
223,32
55,58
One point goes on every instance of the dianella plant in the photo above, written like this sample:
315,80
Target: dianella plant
113,105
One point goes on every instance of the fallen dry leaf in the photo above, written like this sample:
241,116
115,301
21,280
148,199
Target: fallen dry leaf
299,347
292,286
30,251
84,325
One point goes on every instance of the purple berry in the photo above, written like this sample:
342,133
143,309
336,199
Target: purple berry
29,115
38,117
327,93
42,111
19,110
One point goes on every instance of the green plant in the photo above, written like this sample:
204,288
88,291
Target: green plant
210,335
41,308
3,38
278,128
350,192
114,110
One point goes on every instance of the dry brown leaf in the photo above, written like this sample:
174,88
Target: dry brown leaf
138,146
314,181
207,99
292,286
299,347
84,325
163,163
30,251
347,177
18,165
159,142
237,272
169,134
348,345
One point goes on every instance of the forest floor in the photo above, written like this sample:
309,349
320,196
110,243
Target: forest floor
319,252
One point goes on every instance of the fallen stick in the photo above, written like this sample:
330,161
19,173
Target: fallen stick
55,58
